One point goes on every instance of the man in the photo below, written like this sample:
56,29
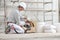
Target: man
16,20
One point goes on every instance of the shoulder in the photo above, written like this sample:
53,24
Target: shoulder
13,12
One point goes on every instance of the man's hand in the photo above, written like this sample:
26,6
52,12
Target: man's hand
24,28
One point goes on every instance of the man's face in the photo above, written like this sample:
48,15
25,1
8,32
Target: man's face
20,8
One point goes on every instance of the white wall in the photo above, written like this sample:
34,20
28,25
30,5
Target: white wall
36,12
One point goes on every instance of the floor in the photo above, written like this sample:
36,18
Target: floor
32,36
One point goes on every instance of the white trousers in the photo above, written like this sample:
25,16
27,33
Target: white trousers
17,27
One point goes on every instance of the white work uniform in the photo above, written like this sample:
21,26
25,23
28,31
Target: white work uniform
16,18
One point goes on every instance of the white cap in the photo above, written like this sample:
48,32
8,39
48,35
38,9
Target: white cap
22,4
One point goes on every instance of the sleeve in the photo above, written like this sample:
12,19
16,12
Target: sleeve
18,20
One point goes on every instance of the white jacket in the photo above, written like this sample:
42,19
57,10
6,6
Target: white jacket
16,17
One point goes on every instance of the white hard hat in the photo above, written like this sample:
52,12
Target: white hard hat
22,4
